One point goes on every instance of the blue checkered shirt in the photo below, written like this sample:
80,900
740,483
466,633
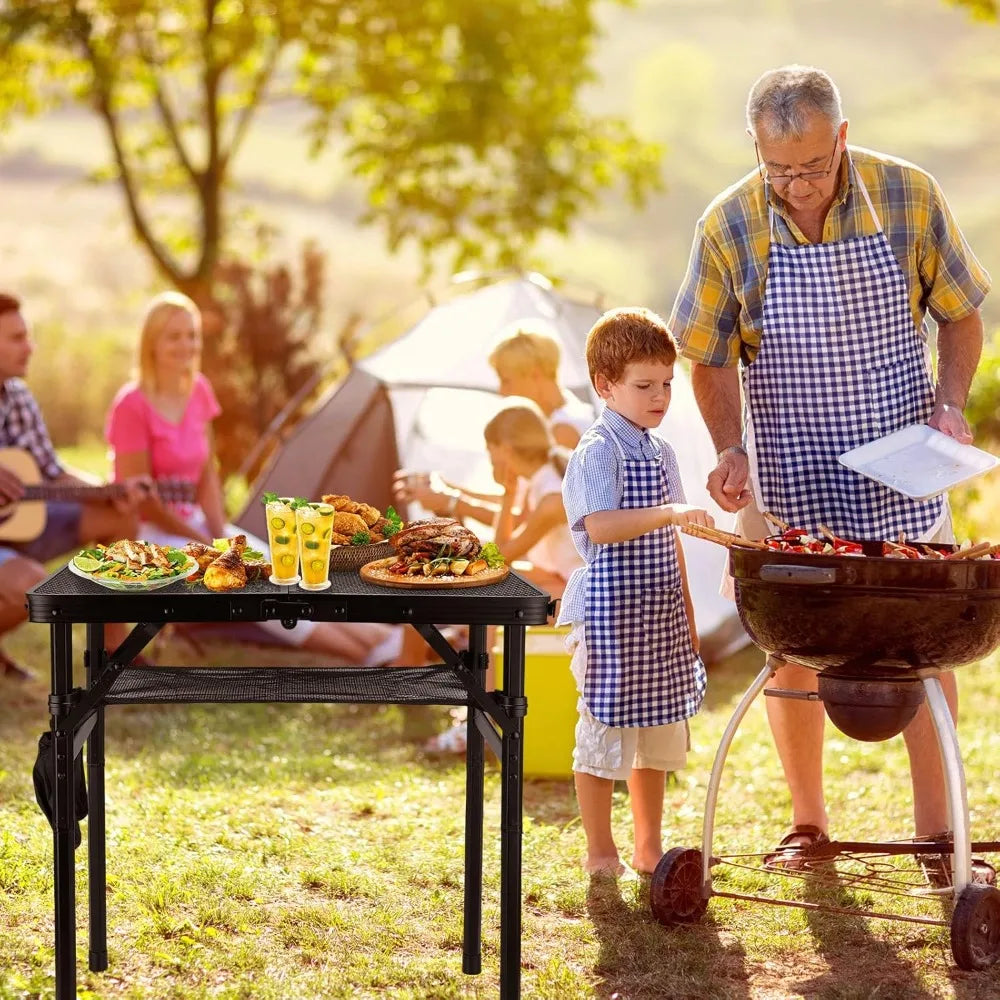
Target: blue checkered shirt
593,482
22,426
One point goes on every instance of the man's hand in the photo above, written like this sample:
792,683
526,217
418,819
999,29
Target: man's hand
951,420
679,513
11,488
727,482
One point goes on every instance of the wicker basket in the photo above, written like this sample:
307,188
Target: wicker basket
349,557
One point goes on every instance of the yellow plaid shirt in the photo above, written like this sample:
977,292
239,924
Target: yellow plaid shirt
718,314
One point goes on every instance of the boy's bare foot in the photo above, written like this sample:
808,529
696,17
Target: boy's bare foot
604,866
646,863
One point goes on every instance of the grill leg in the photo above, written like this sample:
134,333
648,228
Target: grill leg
954,779
715,778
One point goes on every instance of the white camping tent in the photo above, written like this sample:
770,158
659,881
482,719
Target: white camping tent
442,391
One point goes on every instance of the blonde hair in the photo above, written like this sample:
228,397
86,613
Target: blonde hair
526,347
622,337
160,311
521,425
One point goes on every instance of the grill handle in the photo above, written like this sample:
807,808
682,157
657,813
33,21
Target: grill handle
805,575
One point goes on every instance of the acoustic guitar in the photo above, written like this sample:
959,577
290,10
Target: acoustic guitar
24,521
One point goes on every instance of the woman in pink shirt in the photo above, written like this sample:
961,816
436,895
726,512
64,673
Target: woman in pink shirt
161,425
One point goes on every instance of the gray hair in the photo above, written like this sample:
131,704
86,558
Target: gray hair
783,100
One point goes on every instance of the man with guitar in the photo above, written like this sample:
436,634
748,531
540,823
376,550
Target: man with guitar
69,524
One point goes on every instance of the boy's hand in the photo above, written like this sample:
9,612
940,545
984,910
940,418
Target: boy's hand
679,514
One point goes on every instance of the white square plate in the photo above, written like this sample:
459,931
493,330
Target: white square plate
918,461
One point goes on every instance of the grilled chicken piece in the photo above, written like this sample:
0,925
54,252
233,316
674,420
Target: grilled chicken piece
137,554
202,554
434,535
228,571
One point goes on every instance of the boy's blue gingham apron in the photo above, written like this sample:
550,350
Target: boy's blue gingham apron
641,667
840,364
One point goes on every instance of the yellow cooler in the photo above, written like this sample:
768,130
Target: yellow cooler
548,685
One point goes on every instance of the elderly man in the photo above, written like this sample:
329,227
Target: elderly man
810,278
68,524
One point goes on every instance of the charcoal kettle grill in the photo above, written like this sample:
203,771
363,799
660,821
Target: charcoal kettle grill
879,631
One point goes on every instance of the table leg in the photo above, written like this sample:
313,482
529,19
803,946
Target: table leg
511,805
65,816
96,840
474,769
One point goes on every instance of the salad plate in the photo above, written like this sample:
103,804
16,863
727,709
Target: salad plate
139,585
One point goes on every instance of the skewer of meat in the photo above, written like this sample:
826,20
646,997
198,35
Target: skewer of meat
727,538
972,552
776,521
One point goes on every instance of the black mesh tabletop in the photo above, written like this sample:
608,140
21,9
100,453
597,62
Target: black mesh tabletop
64,597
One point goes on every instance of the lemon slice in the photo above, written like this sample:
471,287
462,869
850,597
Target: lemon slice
87,564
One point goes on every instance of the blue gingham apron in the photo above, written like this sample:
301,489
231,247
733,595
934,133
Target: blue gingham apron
641,667
840,364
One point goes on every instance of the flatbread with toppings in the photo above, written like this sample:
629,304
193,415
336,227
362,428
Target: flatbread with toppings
380,573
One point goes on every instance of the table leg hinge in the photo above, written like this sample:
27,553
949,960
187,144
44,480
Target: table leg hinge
515,707
468,662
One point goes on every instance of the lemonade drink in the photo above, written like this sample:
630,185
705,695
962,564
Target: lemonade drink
282,537
315,524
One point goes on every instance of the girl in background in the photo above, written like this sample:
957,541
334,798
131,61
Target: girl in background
161,425
526,463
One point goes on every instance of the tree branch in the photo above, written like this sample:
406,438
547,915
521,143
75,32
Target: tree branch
246,114
102,87
166,111
211,180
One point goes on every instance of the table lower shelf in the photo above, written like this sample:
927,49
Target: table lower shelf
380,685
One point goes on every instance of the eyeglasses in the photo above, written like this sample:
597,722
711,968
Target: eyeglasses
781,180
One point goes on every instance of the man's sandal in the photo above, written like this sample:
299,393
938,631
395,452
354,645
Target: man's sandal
796,847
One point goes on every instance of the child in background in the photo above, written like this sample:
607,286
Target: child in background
522,450
526,359
522,453
635,649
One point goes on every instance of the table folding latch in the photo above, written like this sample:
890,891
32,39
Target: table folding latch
288,612
514,707
62,704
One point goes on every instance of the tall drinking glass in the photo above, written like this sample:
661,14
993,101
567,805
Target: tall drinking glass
315,524
282,537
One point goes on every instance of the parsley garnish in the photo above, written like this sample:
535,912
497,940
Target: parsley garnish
395,522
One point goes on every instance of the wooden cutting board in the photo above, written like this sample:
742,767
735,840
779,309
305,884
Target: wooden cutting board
378,572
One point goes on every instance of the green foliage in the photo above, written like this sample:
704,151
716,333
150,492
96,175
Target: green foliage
981,10
983,408
463,120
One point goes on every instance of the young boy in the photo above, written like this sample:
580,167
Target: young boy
635,650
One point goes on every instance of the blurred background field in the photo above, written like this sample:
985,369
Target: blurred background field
919,79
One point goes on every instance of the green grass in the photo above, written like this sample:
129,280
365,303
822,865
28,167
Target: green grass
312,851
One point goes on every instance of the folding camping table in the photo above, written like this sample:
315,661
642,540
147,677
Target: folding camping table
77,713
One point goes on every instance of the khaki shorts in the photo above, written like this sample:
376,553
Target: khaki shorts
613,751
